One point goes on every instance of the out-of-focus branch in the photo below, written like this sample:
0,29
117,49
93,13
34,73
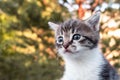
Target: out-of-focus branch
95,4
81,11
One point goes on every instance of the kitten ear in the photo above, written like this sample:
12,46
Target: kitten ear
93,21
53,26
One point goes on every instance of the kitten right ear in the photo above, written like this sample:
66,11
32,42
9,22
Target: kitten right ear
53,26
93,21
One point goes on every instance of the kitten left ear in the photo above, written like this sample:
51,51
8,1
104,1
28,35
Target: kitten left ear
93,21
53,26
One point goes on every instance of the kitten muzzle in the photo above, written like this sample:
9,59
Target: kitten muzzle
68,51
67,44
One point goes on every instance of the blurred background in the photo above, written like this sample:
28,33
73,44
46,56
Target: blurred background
27,50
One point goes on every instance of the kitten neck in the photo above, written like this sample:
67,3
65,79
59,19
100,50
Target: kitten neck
82,67
86,57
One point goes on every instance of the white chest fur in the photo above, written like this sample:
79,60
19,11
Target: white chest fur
87,67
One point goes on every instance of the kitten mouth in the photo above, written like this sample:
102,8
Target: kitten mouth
67,51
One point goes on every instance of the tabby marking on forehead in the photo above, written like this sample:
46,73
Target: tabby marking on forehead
79,25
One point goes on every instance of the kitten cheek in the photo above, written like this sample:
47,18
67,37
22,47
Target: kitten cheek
73,47
58,45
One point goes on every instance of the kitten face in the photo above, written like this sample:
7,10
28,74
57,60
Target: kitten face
75,36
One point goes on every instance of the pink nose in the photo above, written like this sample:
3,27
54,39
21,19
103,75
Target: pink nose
66,46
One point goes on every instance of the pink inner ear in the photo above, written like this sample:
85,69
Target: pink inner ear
53,25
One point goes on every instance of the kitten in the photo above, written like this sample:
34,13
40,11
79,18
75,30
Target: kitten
77,43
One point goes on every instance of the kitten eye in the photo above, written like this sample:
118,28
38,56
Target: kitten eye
76,36
60,39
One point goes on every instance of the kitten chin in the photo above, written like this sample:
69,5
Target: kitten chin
80,54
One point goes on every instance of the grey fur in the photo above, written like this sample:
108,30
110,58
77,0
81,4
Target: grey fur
108,72
79,27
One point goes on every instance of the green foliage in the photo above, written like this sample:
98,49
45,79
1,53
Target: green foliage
23,31
24,67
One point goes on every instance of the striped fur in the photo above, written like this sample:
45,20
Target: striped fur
91,37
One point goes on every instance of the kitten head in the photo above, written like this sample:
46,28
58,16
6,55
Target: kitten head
76,36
